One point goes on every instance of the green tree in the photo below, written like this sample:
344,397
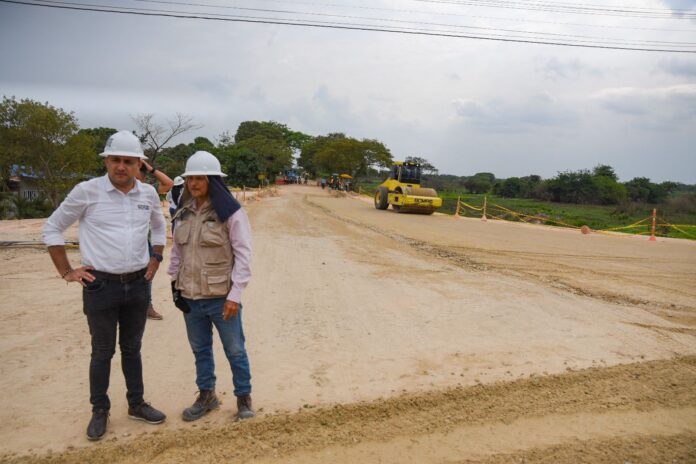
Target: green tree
202,143
241,164
603,170
99,136
639,189
172,160
510,188
274,156
608,191
267,129
45,141
481,182
351,156
309,150
272,130
572,187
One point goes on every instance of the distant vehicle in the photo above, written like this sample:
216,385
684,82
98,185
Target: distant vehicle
403,191
291,177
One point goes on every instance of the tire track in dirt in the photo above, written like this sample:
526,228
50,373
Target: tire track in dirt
643,401
675,449
466,258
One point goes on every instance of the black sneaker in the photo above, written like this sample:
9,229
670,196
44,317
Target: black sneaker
206,402
244,410
146,413
97,425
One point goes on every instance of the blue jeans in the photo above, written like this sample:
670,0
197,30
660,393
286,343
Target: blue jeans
115,310
199,327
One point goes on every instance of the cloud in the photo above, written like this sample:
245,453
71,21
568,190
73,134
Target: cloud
670,105
466,105
679,67
539,110
557,69
680,5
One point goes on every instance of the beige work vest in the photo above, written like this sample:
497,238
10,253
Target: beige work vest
205,253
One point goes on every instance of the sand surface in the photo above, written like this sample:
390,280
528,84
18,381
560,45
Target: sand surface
377,336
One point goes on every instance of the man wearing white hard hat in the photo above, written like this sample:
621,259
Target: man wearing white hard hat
115,211
210,267
174,195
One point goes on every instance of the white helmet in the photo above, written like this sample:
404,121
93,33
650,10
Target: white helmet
178,180
123,143
203,163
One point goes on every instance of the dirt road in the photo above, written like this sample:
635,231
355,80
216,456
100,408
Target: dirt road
397,338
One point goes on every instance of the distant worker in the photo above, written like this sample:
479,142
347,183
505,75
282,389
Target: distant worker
165,185
115,212
210,267
323,183
174,196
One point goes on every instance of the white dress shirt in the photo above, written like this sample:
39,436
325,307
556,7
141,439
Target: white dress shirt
240,238
114,225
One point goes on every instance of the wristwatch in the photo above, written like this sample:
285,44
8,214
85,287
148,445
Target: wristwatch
158,257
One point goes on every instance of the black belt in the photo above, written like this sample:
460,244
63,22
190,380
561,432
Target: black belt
123,278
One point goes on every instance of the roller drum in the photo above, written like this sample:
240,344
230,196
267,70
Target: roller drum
422,192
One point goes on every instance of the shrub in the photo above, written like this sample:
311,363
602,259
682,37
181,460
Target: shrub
30,209
684,203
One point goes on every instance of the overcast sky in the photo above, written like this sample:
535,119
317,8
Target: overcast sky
466,105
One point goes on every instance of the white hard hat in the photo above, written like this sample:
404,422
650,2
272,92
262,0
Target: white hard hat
203,163
123,143
178,180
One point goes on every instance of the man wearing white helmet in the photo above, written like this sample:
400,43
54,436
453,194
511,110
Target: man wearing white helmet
115,211
174,195
210,267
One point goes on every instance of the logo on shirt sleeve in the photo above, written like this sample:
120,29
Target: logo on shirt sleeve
144,207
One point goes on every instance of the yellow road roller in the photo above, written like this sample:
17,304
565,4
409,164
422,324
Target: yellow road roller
402,190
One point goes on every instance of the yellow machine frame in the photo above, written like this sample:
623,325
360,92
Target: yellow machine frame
409,196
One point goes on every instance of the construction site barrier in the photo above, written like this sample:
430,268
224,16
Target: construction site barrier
649,224
240,194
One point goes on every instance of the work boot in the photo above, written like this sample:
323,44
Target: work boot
244,410
146,413
152,314
206,401
97,425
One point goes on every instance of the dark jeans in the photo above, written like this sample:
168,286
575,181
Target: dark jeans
172,212
109,304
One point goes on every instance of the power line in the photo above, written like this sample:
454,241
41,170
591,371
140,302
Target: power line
588,5
515,31
295,22
559,8
437,13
